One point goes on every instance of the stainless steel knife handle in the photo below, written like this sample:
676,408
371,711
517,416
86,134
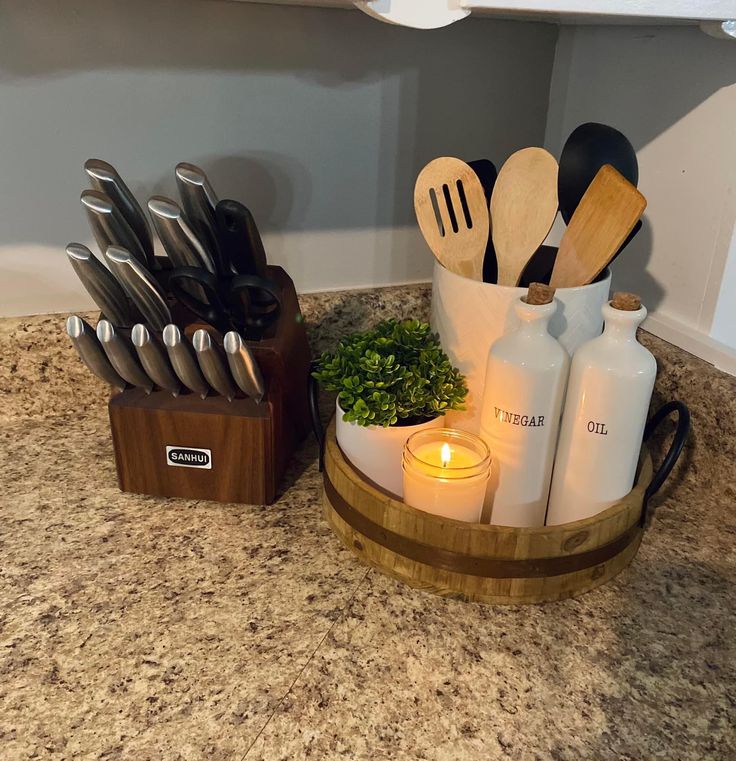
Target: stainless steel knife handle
211,364
181,243
191,176
183,361
243,366
109,226
140,285
104,289
91,352
121,356
104,177
199,202
154,360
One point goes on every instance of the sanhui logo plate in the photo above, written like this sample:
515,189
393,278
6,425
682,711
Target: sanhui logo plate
188,457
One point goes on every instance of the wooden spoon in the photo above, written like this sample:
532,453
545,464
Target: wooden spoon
523,208
453,215
606,214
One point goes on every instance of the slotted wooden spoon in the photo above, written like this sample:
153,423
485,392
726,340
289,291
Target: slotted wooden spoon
604,217
523,208
452,214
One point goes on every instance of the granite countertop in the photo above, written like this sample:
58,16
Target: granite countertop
144,628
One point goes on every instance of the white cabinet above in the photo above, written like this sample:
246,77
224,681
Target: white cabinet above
556,11
604,11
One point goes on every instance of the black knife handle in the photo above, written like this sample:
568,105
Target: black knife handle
240,240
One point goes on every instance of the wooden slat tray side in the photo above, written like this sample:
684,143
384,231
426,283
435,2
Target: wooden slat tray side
486,563
479,539
476,588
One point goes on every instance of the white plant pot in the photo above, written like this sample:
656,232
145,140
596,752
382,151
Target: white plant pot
376,451
470,315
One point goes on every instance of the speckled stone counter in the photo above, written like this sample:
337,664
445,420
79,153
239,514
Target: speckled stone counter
142,628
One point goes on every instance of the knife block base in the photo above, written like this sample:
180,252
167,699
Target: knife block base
199,448
158,438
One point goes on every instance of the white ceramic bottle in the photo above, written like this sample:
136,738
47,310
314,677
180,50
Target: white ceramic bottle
522,399
608,396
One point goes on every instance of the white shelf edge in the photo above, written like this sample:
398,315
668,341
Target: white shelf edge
593,11
602,12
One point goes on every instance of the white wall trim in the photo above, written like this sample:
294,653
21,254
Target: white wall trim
692,341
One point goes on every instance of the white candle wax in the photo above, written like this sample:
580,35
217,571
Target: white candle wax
446,473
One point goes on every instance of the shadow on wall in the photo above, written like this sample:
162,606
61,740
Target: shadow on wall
398,97
280,184
319,120
209,35
660,75
634,275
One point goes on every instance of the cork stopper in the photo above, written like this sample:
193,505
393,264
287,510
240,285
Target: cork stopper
626,302
539,294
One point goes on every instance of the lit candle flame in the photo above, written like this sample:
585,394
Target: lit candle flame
445,455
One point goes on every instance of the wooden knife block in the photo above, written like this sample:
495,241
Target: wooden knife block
249,444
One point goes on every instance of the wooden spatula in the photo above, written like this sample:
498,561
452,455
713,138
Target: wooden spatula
606,214
452,214
523,208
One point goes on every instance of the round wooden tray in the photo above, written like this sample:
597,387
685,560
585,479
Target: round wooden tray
493,564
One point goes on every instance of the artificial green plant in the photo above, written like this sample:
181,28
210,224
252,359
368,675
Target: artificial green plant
394,374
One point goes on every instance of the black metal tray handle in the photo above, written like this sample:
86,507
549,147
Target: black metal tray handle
319,433
659,477
673,453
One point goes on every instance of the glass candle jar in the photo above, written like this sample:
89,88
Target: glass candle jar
446,473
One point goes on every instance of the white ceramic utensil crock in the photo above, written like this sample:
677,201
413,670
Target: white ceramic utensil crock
470,316
377,451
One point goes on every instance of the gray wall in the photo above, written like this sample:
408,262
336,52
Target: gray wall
319,120
672,91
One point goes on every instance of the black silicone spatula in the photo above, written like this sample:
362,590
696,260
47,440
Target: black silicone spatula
589,147
486,172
